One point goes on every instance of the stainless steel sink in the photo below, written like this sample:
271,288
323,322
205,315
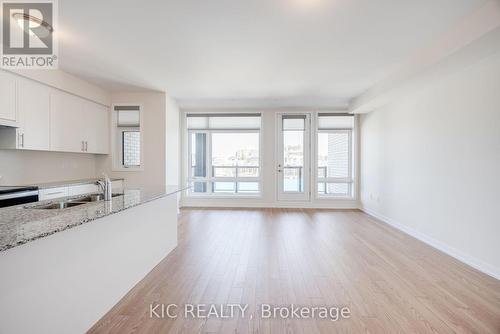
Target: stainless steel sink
91,198
88,199
71,202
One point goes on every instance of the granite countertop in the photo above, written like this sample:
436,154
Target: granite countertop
22,223
48,185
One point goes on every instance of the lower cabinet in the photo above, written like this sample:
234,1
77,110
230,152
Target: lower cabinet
82,189
75,190
52,193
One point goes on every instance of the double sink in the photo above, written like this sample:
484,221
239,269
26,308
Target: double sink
69,203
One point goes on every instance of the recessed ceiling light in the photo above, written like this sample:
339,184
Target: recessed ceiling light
34,22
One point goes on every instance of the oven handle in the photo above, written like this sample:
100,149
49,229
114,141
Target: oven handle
19,194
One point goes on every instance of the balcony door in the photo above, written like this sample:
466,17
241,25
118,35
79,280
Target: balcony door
293,156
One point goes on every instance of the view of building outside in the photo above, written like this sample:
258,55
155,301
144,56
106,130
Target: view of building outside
333,161
293,160
235,155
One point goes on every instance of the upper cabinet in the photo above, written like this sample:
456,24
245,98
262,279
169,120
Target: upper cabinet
66,123
33,101
78,125
96,127
8,110
42,118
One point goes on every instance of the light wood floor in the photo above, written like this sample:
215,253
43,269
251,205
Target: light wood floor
391,282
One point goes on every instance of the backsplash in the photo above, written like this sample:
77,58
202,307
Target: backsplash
19,167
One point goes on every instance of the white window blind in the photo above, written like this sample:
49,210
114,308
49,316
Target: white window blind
294,123
223,121
335,121
128,116
338,150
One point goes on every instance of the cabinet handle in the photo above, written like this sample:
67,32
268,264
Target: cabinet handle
54,193
83,146
86,146
22,139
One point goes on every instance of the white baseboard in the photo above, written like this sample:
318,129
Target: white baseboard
453,252
288,205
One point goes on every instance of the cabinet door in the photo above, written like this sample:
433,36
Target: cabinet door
102,130
52,193
82,189
97,128
8,115
33,100
67,122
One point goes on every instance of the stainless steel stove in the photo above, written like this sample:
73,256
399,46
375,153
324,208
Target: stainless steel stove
14,195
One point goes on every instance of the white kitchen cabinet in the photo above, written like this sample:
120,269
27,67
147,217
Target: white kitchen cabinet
33,101
8,110
67,123
78,125
38,117
103,130
82,189
96,128
52,193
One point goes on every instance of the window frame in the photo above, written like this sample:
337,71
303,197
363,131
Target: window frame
117,147
210,178
351,180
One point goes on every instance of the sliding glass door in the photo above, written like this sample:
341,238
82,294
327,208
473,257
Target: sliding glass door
293,156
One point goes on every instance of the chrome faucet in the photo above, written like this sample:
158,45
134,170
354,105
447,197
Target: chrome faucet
106,187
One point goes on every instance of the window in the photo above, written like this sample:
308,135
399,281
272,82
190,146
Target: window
224,153
334,146
131,142
127,137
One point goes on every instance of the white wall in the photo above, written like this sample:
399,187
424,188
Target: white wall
173,161
153,127
430,163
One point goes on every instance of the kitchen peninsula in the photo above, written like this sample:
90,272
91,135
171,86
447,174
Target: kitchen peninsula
63,269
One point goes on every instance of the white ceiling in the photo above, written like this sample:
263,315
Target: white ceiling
319,53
